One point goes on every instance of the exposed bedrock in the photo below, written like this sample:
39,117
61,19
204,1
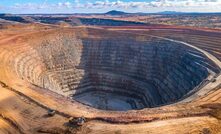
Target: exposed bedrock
115,73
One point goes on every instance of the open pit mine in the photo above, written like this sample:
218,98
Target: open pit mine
111,80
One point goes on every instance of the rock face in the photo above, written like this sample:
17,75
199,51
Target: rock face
120,72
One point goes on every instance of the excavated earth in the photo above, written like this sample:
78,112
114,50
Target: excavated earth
121,80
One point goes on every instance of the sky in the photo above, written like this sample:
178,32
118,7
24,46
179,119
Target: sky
100,6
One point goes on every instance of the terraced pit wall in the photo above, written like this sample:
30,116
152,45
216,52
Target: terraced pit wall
109,70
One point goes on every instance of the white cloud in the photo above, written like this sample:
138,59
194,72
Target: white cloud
156,3
143,6
64,5
189,3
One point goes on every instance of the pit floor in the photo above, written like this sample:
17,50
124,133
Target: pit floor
109,101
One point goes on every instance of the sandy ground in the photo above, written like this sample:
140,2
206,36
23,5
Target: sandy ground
21,115
173,126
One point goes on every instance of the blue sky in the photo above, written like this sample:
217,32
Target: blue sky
85,6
